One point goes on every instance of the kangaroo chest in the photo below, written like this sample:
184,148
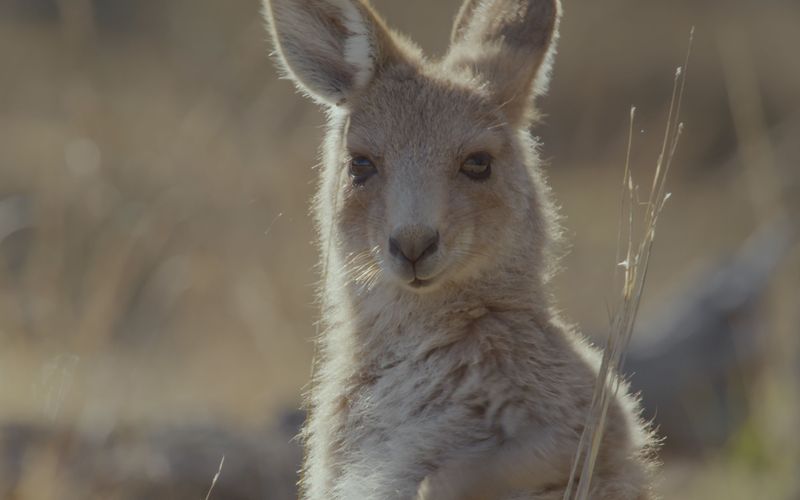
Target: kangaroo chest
403,409
403,421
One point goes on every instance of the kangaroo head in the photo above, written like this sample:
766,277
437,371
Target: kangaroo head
430,174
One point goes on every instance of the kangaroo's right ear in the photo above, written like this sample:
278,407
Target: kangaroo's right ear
330,48
510,43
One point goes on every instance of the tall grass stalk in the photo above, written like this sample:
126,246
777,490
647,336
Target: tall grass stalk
634,245
216,478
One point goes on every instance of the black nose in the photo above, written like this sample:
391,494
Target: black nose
413,243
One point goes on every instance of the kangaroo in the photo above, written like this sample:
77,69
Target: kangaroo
443,371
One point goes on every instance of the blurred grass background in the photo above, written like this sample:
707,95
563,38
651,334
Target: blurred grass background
156,253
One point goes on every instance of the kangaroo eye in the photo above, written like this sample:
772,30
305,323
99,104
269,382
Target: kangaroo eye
477,166
361,169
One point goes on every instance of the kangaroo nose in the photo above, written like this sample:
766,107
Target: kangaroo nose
413,243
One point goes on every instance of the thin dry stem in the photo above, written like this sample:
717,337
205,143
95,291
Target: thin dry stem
638,248
216,478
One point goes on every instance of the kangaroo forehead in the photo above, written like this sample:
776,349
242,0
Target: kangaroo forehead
421,111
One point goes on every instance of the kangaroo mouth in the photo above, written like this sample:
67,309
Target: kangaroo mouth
413,279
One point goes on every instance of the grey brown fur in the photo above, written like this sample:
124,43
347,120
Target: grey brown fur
443,374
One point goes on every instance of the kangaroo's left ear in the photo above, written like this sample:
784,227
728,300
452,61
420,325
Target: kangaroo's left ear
510,44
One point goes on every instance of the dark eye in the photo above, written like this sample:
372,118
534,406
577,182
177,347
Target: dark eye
477,166
361,169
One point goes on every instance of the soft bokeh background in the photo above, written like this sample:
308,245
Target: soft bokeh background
157,260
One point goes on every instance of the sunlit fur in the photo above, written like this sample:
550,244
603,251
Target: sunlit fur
419,389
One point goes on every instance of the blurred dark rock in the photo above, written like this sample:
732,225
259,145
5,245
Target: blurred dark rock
33,10
170,462
691,365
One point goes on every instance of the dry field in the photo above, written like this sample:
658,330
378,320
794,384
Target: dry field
157,258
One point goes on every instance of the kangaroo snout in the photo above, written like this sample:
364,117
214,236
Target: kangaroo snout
413,243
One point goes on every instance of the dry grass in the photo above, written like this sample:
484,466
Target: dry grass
634,248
